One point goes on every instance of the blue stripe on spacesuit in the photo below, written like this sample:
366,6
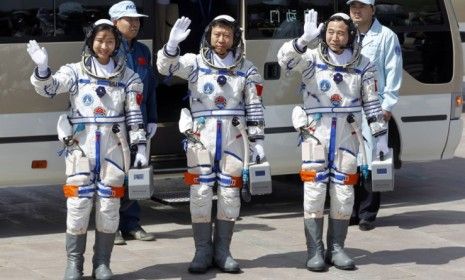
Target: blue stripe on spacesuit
313,161
114,163
347,150
309,72
102,83
50,94
322,176
193,76
232,154
338,177
208,179
104,190
332,142
340,69
172,69
86,191
292,63
218,144
97,154
222,72
80,173
225,180
251,71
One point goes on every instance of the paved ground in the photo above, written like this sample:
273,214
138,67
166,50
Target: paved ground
419,234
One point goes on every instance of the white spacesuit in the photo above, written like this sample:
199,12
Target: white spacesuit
219,90
94,133
335,90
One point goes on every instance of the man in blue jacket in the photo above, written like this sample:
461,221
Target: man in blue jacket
126,18
381,45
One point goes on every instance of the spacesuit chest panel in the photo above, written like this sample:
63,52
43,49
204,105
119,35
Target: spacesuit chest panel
99,99
333,87
217,90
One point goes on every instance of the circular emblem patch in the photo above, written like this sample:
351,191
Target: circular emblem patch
87,100
220,102
208,88
325,85
99,111
336,100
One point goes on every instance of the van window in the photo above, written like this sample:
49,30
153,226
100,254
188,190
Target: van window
424,32
281,19
51,21
422,27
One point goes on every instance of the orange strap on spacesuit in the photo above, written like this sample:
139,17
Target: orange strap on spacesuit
73,191
307,175
351,179
117,192
193,179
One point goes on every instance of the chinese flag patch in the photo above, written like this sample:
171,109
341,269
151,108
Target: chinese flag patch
139,98
141,60
259,88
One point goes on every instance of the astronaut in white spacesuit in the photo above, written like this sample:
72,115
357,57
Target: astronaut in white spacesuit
223,85
337,83
105,96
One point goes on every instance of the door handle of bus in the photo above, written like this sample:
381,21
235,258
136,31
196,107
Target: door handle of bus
272,71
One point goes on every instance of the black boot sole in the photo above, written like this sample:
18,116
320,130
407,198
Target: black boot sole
347,267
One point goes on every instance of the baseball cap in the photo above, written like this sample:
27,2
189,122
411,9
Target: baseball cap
368,2
124,9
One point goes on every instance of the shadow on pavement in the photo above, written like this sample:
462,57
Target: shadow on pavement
417,219
425,256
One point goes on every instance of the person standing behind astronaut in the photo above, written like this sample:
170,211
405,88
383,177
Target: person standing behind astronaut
104,112
223,86
338,83
381,45
138,56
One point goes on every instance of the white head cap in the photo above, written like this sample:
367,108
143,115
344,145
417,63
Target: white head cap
103,21
367,2
124,9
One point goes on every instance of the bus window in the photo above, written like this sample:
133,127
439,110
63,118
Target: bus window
281,19
424,33
201,12
56,21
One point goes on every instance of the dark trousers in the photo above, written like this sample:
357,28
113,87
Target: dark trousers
129,215
366,204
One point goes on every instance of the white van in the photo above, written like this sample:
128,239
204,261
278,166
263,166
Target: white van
426,122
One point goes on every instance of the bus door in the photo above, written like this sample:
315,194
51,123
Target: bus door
268,25
167,153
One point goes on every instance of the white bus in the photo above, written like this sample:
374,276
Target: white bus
426,122
459,9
